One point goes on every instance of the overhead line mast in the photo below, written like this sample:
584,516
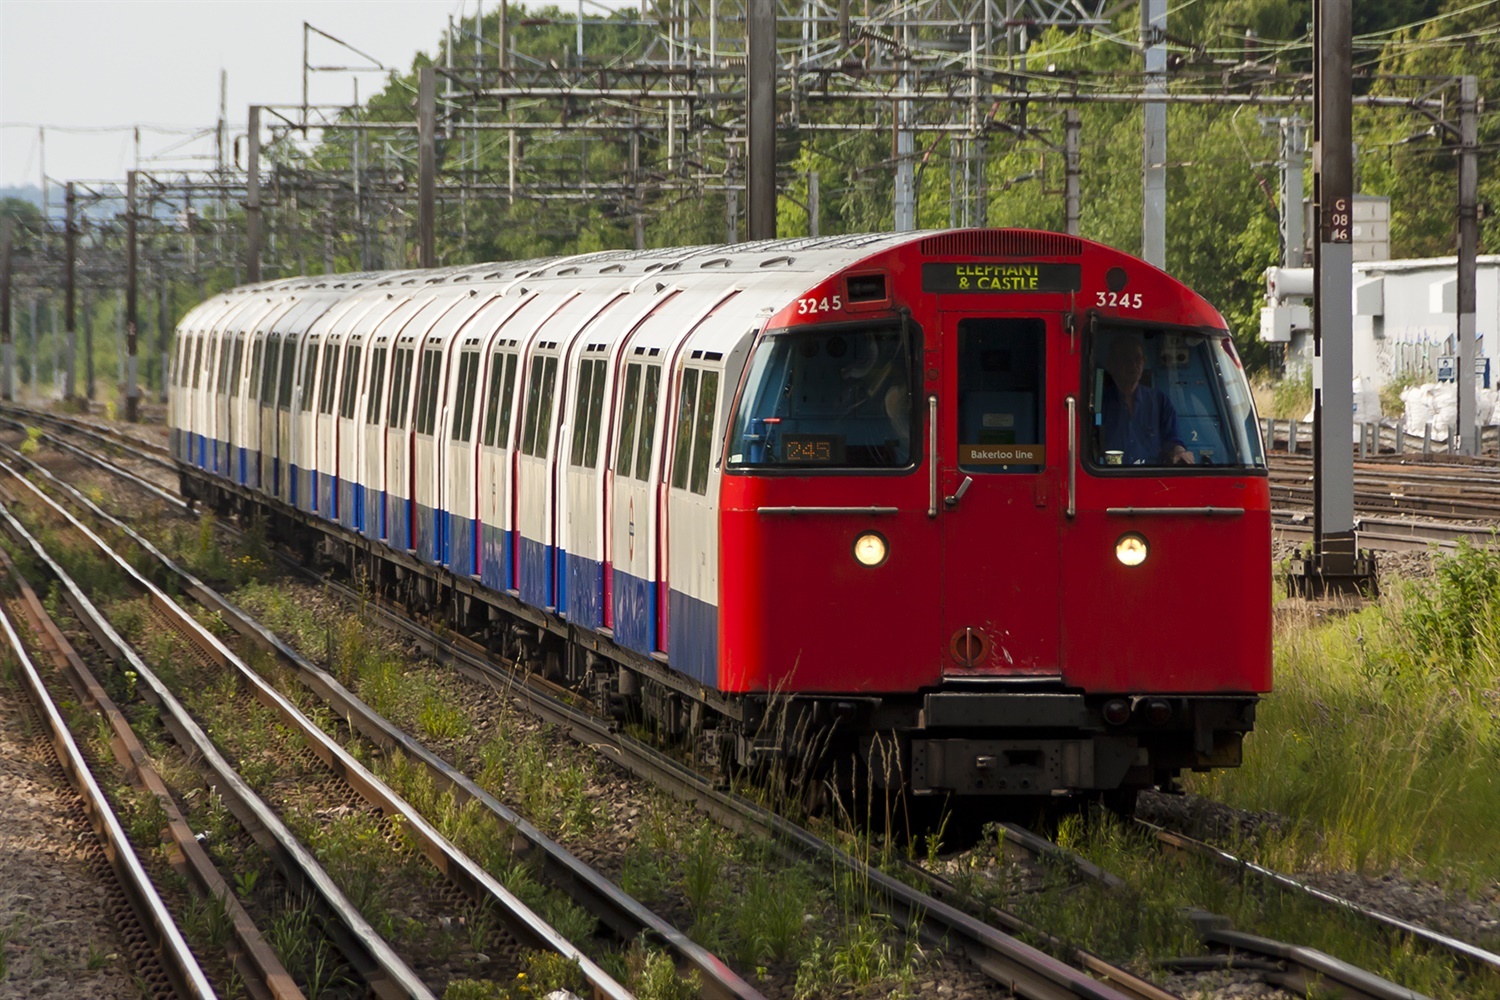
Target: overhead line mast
1335,567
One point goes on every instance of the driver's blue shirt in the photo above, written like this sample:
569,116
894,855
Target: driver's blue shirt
1145,433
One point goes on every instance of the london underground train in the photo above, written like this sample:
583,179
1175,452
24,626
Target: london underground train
988,505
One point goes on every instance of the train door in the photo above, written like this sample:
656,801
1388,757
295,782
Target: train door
285,382
372,438
456,436
633,569
304,414
349,506
400,516
494,468
999,496
265,411
249,403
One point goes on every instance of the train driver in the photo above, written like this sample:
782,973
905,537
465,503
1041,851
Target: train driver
1138,420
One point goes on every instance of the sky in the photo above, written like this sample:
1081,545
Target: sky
102,66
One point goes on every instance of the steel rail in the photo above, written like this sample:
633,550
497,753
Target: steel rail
1390,535
1024,969
1306,970
177,958
1368,500
624,914
387,975
524,923
164,461
1008,964
114,437
1470,953
261,971
1122,979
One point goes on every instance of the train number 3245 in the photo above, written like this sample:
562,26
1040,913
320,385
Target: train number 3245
828,303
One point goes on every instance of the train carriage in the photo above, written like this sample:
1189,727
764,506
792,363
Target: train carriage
977,504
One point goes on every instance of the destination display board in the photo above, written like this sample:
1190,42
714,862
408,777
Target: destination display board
980,277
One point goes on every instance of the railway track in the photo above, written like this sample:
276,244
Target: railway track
978,939
1004,958
1299,969
166,965
386,972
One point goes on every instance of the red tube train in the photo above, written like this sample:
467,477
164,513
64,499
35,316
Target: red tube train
994,499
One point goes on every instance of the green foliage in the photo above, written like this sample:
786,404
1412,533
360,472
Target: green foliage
1390,393
1383,729
871,950
1449,629
654,977
1292,396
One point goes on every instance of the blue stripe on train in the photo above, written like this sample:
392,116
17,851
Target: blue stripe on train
398,524
536,573
635,612
349,505
461,547
694,637
328,486
374,512
428,544
495,557
303,496
583,590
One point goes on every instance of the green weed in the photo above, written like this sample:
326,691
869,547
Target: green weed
1381,735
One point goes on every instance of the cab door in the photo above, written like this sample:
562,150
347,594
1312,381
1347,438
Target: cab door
1001,443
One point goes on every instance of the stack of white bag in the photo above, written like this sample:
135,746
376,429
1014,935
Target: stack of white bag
1436,403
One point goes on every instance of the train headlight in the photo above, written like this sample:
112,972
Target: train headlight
870,549
1131,549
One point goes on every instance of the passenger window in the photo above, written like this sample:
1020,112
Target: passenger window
1001,383
581,411
224,351
544,414
349,397
377,386
309,373
288,371
507,402
647,444
197,361
596,411
427,402
625,455
400,388
492,400
330,372
708,395
686,404
269,369
468,375
233,387
255,371
533,399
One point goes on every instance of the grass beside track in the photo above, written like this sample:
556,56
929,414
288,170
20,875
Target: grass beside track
1381,738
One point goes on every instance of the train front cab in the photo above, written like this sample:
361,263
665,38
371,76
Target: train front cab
921,502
